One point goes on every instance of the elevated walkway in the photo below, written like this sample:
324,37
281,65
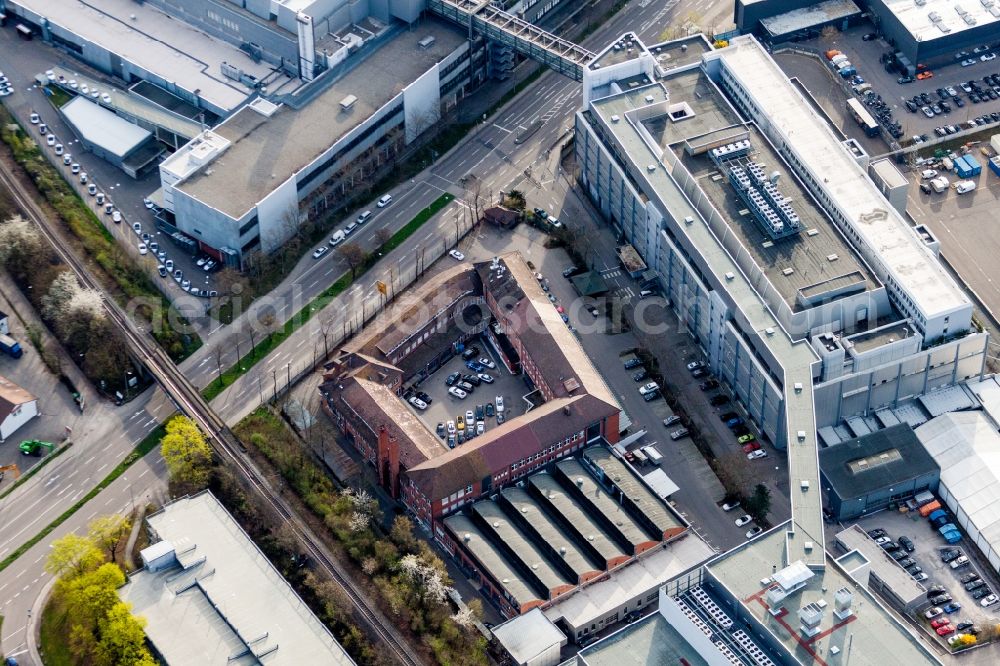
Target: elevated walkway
526,38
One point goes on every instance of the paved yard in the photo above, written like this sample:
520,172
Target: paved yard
447,407
927,555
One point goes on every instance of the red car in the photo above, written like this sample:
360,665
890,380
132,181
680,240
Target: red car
940,622
752,446
945,630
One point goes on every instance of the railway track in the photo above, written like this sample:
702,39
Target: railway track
190,402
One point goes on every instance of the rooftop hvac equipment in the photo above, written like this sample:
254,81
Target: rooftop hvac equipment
810,616
615,118
920,3
842,599
934,17
231,71
348,102
986,3
427,42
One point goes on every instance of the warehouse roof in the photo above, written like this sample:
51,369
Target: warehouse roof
527,636
966,445
549,531
916,17
510,535
224,598
641,577
613,512
155,41
103,128
492,561
632,487
585,526
267,151
873,462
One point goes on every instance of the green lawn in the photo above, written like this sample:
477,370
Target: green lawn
271,342
52,640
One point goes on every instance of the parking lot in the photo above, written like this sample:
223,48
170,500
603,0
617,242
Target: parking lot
865,55
445,407
965,225
929,546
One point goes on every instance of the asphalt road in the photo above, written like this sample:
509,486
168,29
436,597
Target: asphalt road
22,583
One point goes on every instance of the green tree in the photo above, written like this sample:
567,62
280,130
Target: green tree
122,639
108,531
186,453
72,555
758,505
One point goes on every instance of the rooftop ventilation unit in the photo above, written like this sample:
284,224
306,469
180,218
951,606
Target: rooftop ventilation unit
842,600
810,617
427,42
649,99
651,168
348,102
615,118
688,220
934,17
730,276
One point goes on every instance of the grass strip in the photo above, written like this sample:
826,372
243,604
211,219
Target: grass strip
37,468
261,349
144,447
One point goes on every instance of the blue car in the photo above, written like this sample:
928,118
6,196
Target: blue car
475,366
732,423
952,607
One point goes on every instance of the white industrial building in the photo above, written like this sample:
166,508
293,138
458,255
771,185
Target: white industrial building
841,299
967,447
209,595
17,407
246,184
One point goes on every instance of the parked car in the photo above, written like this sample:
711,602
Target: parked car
457,392
743,520
671,420
486,377
945,630
640,375
632,363
974,585
754,531
959,562
455,254
695,365
729,506
320,251
744,439
709,385
877,533
981,592
950,554
969,577
754,455
935,590
906,543
933,612
986,602
940,622
418,403
384,200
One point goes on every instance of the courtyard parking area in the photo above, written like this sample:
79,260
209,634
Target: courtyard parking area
929,547
445,407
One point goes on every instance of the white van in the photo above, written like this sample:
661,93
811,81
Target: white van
653,455
385,200
92,189
337,238
640,456
965,186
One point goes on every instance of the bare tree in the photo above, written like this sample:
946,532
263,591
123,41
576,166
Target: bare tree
228,278
382,235
829,33
353,255
267,321
218,360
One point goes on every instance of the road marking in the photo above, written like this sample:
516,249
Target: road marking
87,461
20,574
144,473
102,467
65,489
